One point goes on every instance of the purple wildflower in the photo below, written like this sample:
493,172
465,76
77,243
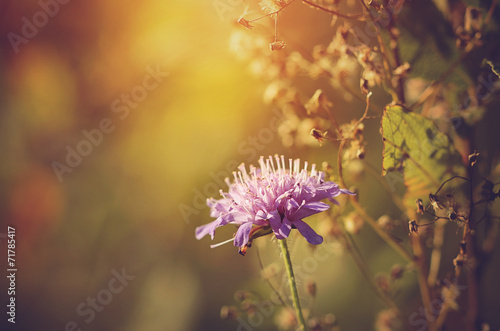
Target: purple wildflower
271,197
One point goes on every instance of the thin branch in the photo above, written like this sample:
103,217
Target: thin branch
269,281
490,12
468,238
357,17
273,13
449,179
362,266
385,55
435,259
343,142
422,272
395,198
384,235
480,201
276,27
445,308
394,45
366,7
355,94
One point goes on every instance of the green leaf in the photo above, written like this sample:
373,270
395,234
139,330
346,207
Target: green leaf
415,147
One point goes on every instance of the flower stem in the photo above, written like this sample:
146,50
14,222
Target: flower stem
291,282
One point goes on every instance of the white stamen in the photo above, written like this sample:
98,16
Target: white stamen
320,174
272,164
262,165
277,158
253,170
222,243
313,170
296,166
243,171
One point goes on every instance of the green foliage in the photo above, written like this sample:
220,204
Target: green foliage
414,146
427,42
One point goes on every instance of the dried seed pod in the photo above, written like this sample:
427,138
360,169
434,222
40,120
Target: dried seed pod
473,158
402,70
386,223
311,287
330,320
318,103
458,261
487,191
397,272
382,282
420,206
353,223
413,227
473,20
242,295
286,319
249,306
229,313
277,45
434,200
388,320
463,247
245,23
452,216
363,84
318,135
375,4
314,324
360,154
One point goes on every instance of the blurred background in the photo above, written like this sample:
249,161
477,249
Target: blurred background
117,120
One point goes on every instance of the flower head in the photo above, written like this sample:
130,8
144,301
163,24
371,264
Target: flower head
272,198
